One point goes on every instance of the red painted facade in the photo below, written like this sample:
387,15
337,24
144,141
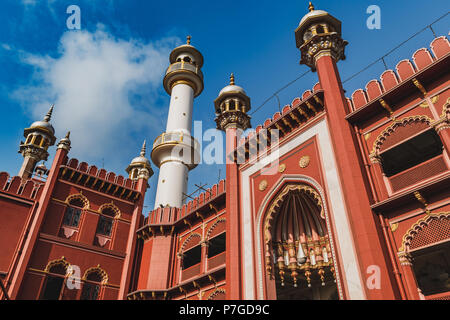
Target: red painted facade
352,202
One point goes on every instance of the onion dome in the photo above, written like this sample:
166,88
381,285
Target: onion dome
42,127
232,88
45,123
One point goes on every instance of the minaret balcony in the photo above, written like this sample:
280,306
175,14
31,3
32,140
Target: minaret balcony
176,146
184,72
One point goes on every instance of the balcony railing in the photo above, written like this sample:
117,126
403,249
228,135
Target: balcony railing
216,261
190,272
176,137
182,65
439,296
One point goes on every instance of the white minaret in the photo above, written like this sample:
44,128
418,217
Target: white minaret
175,152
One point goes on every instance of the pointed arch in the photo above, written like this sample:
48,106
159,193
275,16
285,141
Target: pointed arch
214,226
110,206
61,262
192,237
420,123
261,231
80,197
96,270
420,229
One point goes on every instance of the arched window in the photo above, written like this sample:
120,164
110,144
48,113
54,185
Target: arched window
105,221
232,105
91,286
411,152
319,29
73,212
427,245
37,140
191,256
216,238
54,282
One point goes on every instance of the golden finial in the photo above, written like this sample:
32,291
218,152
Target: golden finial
188,40
67,135
311,7
232,79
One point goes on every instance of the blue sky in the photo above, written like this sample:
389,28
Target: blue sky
106,79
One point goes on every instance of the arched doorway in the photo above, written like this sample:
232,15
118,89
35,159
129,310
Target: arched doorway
298,253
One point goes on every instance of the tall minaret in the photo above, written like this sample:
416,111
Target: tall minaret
319,39
39,136
232,106
175,150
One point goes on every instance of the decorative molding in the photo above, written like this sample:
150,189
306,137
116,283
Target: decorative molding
394,226
276,202
98,270
61,261
304,161
381,138
418,226
68,232
282,168
215,293
189,238
263,185
79,196
214,225
113,207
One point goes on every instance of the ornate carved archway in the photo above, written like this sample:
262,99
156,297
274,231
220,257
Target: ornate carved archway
297,244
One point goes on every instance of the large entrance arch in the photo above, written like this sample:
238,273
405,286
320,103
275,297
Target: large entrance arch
298,255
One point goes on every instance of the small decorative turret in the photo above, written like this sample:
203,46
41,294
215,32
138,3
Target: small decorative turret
140,166
231,107
39,136
65,143
319,33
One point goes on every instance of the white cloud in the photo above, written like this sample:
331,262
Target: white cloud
91,83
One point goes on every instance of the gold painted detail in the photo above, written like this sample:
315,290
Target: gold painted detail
215,293
367,136
394,226
282,168
97,270
112,207
62,261
263,185
304,161
419,86
80,197
387,108
422,200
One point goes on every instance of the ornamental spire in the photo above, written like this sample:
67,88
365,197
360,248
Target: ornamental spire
48,116
188,40
311,7
143,149
232,79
